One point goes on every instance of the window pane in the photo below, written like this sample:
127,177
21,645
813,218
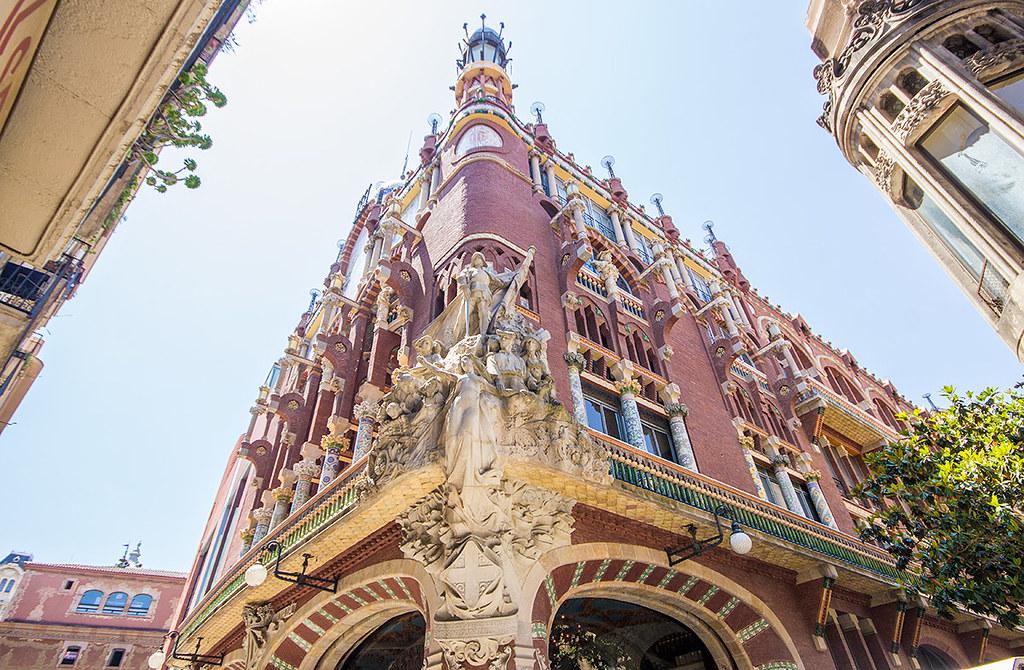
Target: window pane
950,235
115,603
70,656
140,605
1011,90
804,496
983,163
612,422
595,417
115,659
90,602
769,485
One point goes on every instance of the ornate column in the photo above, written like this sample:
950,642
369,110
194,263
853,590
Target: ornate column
628,389
425,183
549,167
576,364
818,498
723,308
435,178
684,274
282,503
740,313
613,214
664,266
365,412
305,472
779,463
247,535
787,353
538,185
333,446
262,518
747,448
680,435
576,205
627,230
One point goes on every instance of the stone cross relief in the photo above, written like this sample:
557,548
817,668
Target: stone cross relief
481,393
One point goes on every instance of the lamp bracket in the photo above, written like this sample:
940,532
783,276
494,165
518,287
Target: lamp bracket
696,546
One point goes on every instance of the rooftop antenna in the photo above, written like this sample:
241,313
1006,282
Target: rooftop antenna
483,36
537,109
405,163
313,295
123,561
434,120
608,162
656,201
928,397
709,226
135,555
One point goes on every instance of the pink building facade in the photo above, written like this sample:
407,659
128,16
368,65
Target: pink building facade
89,617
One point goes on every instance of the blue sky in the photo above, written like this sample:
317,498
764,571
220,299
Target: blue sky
151,369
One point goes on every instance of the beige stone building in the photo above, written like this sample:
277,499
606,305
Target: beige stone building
70,119
926,99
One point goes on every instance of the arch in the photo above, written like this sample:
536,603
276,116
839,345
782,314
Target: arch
930,657
910,81
732,618
842,385
115,603
140,605
89,603
392,644
329,625
960,46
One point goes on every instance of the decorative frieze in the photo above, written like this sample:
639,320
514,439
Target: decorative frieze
920,107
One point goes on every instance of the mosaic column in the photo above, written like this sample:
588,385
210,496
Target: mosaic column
262,518
305,472
620,237
628,389
818,498
680,436
779,463
535,171
365,412
247,535
282,499
627,230
333,446
747,445
684,274
576,364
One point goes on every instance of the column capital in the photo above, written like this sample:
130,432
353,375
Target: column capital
628,386
247,535
575,360
262,515
306,470
282,494
675,409
333,442
365,410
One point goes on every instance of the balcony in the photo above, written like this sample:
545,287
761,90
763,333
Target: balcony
22,286
844,416
646,488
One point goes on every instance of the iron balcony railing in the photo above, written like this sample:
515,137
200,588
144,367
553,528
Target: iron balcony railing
22,286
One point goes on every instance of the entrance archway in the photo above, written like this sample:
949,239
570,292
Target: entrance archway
616,633
396,645
931,658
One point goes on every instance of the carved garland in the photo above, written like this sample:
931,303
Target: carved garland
870,24
1000,54
923,104
884,166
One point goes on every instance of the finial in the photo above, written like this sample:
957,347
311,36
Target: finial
708,226
537,109
656,201
313,295
434,120
609,161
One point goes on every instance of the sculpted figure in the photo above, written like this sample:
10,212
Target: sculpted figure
538,376
507,367
488,294
260,620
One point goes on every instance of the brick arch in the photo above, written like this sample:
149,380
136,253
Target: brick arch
369,596
693,593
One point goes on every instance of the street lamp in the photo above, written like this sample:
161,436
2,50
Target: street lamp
739,541
157,659
257,573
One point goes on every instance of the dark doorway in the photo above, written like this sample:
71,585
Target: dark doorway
397,645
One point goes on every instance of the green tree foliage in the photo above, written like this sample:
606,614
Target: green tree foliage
951,501
574,648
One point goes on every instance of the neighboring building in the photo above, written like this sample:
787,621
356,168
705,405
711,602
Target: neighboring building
409,452
88,617
926,99
69,117
11,571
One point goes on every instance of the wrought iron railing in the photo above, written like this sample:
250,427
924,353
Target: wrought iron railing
674,482
21,286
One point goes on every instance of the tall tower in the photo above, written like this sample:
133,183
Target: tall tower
527,420
926,99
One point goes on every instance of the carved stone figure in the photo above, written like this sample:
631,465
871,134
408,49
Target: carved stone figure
506,366
260,621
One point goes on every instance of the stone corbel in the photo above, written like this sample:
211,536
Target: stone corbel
571,301
822,576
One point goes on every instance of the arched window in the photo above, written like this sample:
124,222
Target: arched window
10,585
993,34
960,46
140,605
90,602
842,386
3,583
910,81
890,106
116,602
396,644
886,414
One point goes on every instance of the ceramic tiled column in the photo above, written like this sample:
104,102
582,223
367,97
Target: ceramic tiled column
333,447
576,364
628,389
818,498
779,465
282,503
680,436
262,518
305,473
365,412
247,536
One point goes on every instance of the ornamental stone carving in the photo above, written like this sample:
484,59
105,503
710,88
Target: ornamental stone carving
1004,54
475,403
884,166
478,652
920,107
260,621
